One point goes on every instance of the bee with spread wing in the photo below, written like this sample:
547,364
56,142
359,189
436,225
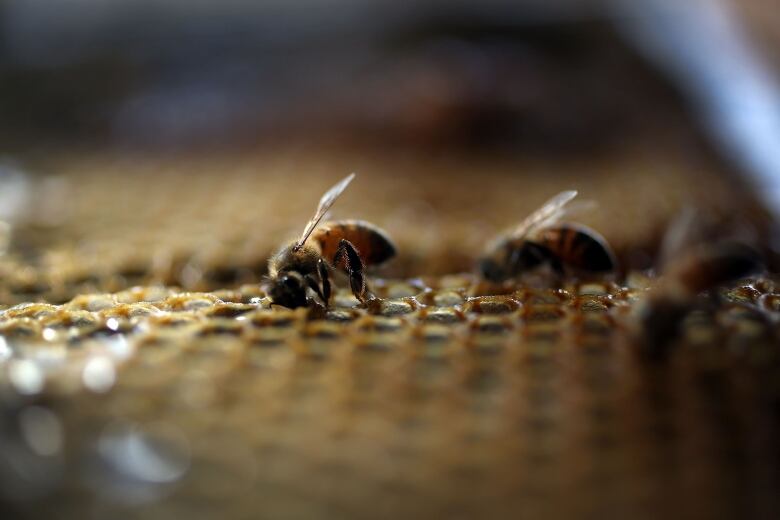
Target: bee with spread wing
543,239
349,245
698,254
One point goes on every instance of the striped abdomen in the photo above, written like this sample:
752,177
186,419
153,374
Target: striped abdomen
577,247
714,266
373,244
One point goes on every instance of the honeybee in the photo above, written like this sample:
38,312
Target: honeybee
349,245
542,239
696,256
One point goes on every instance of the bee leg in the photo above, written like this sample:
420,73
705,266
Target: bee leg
532,255
515,261
354,266
312,282
529,256
557,267
322,269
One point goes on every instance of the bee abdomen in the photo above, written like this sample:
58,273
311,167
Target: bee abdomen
578,247
372,243
718,265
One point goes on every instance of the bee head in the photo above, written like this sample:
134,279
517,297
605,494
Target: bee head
737,260
492,270
288,290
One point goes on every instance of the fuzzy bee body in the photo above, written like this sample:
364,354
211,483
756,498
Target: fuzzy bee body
542,239
289,259
349,245
370,242
373,244
661,313
697,256
713,266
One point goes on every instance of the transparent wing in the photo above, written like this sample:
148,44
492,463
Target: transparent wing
577,207
680,234
552,211
326,202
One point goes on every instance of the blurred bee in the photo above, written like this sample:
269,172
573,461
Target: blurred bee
696,256
542,239
349,245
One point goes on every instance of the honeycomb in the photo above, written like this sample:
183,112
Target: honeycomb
144,373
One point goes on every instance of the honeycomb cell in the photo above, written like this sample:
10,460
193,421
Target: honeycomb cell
543,313
447,299
442,315
491,305
395,307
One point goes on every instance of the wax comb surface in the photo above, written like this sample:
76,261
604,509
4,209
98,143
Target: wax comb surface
144,374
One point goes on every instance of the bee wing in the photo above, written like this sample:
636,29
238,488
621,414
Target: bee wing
693,229
577,208
326,202
552,211
680,231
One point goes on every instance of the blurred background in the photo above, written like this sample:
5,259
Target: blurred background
465,115
558,76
